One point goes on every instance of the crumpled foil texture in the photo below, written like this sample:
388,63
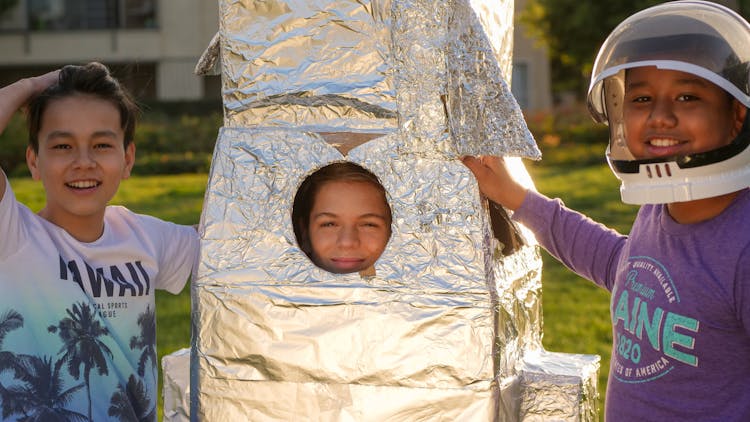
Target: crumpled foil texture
559,386
176,369
443,327
421,331
435,70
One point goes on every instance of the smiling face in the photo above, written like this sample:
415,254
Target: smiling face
349,226
668,113
81,161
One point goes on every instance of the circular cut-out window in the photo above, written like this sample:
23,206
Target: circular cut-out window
341,218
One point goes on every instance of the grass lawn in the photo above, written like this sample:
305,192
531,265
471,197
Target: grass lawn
576,313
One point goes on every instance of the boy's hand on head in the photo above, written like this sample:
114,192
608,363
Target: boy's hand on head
14,96
495,181
42,82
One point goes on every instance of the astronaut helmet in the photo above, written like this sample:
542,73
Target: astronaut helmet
696,37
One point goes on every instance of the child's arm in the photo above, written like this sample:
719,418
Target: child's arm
583,245
495,182
14,96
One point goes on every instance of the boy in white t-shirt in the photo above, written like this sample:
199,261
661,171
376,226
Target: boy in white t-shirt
77,317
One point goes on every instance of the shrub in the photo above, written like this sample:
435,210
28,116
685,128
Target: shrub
174,163
170,139
13,143
569,136
177,135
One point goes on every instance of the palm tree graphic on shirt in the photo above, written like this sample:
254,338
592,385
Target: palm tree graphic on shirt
9,321
40,394
80,333
131,402
146,341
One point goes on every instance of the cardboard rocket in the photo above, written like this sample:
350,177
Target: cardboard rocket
449,326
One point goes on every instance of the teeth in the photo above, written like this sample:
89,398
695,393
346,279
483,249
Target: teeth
83,184
663,142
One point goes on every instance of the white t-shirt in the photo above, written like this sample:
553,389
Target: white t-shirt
77,319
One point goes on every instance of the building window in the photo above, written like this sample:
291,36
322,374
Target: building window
64,15
139,14
520,84
12,16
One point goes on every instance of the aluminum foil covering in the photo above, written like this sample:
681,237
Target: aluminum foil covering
209,62
419,332
176,369
559,386
315,64
442,329
435,70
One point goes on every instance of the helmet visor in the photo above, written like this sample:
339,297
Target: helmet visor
705,39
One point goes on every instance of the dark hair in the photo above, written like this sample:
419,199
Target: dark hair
308,190
90,79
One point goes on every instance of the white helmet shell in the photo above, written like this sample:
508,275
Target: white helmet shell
697,37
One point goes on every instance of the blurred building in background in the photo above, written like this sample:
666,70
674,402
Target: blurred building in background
153,46
531,83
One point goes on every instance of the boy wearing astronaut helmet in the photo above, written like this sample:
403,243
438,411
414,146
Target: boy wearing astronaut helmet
672,83
689,40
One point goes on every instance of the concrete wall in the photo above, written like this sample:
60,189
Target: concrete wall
531,55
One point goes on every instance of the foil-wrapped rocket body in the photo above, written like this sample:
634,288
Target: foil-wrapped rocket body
441,330
421,331
433,70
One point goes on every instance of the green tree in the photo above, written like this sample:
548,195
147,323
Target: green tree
741,6
6,5
573,31
80,333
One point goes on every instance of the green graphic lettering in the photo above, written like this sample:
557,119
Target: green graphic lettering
670,338
634,314
621,310
651,325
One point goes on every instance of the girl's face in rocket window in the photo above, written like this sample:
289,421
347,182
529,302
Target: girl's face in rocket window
341,218
349,226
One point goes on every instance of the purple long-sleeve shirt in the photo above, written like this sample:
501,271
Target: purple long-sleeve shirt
680,306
